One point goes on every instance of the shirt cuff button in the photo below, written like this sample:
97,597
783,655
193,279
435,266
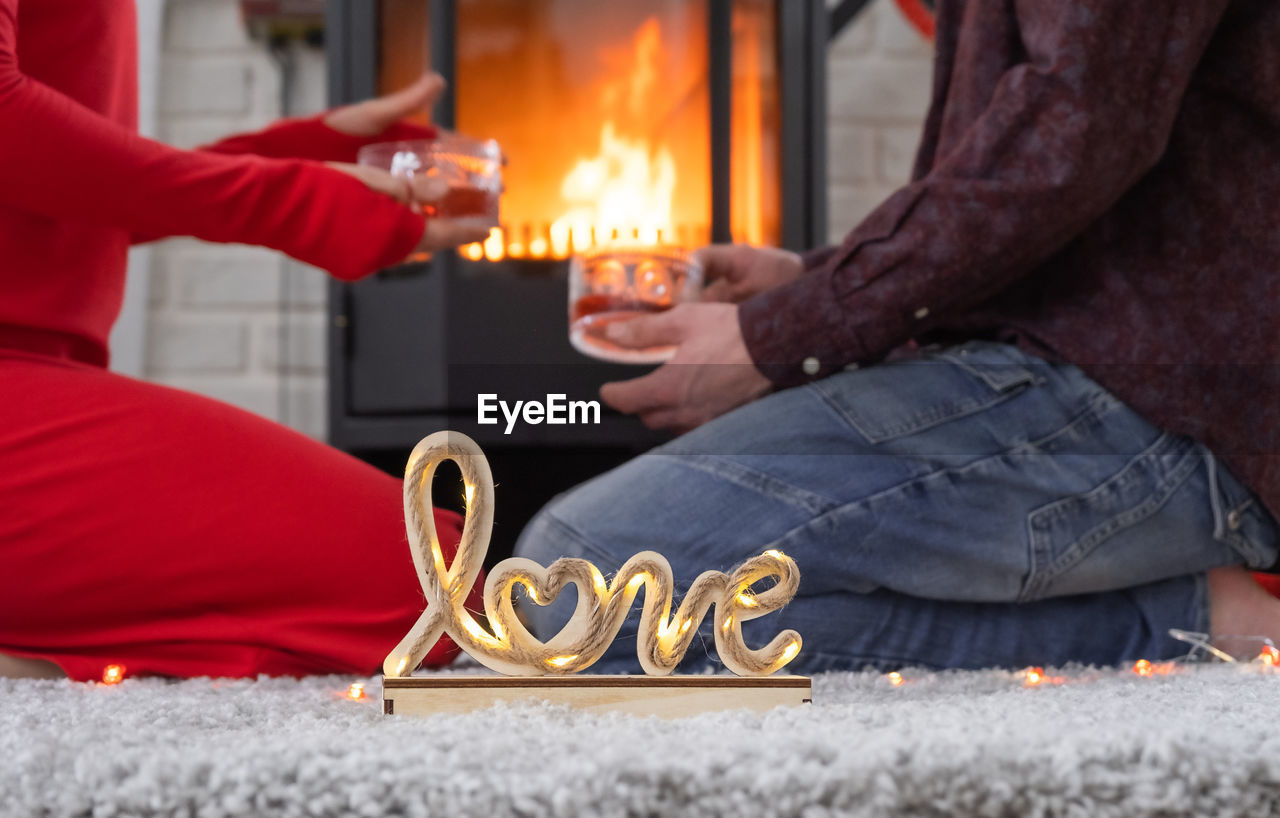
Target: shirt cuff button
811,366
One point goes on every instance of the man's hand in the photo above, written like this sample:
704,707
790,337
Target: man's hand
735,272
372,117
710,374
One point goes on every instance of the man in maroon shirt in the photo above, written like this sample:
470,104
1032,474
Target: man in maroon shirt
1042,373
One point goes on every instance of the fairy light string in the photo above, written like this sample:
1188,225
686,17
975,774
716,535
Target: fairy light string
505,645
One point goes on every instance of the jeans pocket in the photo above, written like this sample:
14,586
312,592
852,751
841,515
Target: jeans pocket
1066,534
903,397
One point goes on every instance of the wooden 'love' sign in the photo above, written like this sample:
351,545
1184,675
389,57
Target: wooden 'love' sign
505,645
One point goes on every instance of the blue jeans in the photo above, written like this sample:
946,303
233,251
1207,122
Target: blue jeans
972,506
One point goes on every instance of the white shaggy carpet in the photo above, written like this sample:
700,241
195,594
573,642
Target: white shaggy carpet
1202,742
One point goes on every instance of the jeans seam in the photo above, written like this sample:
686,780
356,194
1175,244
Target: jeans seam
1088,542
776,489
1029,447
923,420
1038,545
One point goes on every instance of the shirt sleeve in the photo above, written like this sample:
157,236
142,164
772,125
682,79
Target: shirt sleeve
1064,135
310,138
61,160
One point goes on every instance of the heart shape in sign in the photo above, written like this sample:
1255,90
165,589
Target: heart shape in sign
506,646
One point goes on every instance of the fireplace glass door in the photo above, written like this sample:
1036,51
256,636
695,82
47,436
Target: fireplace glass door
605,111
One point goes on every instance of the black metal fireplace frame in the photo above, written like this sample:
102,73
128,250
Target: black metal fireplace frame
353,52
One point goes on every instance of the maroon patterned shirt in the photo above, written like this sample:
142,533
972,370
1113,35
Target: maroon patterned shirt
1099,179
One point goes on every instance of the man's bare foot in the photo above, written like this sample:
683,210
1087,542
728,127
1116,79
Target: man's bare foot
15,668
1238,606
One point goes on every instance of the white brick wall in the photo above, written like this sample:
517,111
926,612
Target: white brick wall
246,325
239,324
878,85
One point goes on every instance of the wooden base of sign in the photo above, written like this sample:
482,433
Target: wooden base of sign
663,696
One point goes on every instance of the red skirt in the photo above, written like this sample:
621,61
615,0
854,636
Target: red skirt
175,535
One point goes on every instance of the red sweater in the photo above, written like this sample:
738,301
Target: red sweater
77,184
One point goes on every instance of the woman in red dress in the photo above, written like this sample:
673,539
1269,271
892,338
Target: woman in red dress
143,526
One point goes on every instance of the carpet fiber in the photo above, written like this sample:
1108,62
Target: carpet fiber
1202,742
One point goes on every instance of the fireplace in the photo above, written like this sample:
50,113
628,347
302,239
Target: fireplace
651,121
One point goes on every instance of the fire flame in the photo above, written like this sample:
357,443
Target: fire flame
623,193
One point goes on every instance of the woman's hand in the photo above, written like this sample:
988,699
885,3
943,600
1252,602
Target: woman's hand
372,117
735,272
414,192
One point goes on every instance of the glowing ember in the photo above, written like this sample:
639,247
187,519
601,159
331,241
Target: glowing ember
356,692
113,674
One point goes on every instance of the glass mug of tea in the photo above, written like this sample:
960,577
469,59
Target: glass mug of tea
472,167
614,284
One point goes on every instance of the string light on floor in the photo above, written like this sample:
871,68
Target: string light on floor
113,674
356,692
1144,667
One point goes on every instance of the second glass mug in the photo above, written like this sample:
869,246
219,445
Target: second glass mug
614,284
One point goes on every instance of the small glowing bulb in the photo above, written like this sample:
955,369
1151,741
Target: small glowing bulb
775,553
404,663
530,590
790,652
474,251
561,661
636,582
728,623
895,679
113,674
685,627
1270,656
356,692
470,492
746,600
1143,668
473,628
1035,675
538,247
